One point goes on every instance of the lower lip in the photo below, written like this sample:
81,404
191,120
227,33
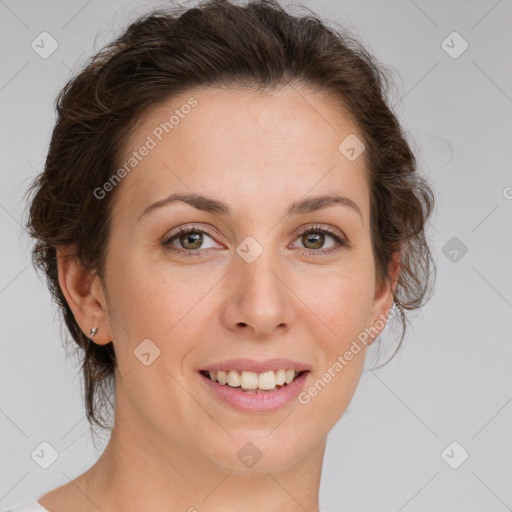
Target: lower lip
256,402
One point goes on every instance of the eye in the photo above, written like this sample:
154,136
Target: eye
314,238
190,238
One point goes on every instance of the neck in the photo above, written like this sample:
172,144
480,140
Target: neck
140,469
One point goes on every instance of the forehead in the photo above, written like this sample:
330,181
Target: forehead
256,144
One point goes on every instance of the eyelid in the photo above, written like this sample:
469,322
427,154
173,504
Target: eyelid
333,231
190,227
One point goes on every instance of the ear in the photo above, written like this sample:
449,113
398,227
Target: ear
383,299
84,294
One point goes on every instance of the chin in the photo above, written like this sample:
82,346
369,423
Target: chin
262,450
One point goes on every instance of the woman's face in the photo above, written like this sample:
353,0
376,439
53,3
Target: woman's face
245,283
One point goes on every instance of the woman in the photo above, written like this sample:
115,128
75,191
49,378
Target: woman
228,213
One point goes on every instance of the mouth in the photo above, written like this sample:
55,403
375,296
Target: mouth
253,382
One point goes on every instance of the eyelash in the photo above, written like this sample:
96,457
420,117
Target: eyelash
340,242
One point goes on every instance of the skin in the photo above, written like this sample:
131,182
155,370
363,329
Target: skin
174,446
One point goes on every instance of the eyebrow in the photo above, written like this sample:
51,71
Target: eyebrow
206,204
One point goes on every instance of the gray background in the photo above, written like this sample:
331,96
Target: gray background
451,381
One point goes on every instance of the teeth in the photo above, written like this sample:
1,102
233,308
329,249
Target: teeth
233,378
280,377
253,381
290,375
249,380
267,380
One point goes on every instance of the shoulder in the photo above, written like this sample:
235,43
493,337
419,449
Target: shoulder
61,499
31,506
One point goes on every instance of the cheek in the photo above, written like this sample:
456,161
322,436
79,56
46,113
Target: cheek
148,297
340,298
338,383
168,306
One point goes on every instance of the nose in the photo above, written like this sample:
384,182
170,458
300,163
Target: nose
259,299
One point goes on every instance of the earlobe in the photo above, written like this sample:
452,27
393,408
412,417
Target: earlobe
84,295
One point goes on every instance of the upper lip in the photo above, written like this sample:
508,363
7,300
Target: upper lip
250,365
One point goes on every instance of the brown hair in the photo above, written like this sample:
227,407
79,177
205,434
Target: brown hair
217,43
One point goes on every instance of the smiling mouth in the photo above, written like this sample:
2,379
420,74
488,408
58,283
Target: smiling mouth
252,382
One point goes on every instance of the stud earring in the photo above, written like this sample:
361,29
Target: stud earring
94,330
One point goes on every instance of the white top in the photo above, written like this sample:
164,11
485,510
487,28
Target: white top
31,506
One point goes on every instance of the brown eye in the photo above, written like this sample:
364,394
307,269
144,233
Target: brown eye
189,241
314,238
